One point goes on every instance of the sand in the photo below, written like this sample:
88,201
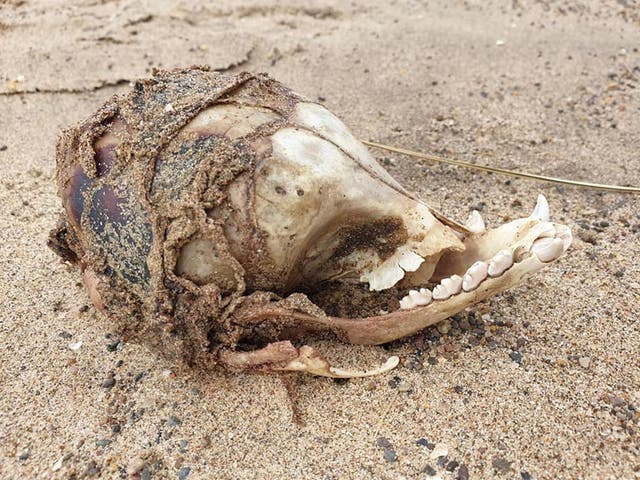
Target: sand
540,382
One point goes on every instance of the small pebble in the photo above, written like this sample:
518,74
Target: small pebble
502,465
441,461
75,346
23,456
383,442
423,442
429,470
135,466
584,362
463,473
92,469
451,466
516,357
183,473
390,455
108,382
525,475
173,421
404,387
395,381
444,327
103,442
3,148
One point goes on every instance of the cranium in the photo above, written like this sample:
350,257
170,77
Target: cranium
201,208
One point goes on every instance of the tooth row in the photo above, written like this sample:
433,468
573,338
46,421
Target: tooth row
474,276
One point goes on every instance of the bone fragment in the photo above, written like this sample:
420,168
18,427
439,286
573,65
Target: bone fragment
309,360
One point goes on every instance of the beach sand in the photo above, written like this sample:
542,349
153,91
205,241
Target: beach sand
540,382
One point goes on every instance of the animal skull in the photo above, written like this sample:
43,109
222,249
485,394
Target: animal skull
201,206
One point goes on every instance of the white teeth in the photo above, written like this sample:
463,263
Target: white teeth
410,261
406,303
448,286
500,263
416,299
475,223
475,274
541,209
547,249
421,298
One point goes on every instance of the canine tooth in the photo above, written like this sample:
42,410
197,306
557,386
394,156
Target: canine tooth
500,263
448,286
475,223
541,209
547,249
475,274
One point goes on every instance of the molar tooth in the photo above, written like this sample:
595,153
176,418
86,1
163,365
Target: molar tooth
547,249
421,298
500,263
406,303
541,210
475,274
447,287
475,223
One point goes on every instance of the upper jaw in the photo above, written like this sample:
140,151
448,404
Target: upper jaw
524,245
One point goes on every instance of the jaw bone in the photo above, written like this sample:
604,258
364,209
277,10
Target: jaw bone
509,254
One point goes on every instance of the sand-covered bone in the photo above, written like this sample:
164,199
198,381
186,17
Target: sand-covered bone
195,204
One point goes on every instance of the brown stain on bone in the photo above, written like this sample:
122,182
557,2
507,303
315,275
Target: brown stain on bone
383,235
